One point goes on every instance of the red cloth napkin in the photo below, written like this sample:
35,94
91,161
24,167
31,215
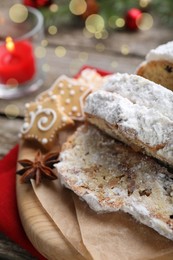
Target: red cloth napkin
10,223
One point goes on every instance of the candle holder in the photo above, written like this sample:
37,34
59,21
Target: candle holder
21,54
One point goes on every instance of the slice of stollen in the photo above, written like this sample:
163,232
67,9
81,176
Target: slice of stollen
110,176
141,91
144,128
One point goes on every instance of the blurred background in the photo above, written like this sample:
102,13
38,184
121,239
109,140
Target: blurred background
85,30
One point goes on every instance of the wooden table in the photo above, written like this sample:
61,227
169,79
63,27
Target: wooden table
121,51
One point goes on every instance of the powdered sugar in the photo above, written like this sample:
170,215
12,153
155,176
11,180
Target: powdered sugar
149,127
142,92
162,52
147,124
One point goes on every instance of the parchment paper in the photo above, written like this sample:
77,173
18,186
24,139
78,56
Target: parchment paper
58,203
118,236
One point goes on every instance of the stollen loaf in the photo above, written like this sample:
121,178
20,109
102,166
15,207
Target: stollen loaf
135,111
158,65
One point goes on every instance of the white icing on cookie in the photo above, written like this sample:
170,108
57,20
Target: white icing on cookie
64,119
53,97
62,92
72,92
44,141
42,121
74,109
61,85
67,101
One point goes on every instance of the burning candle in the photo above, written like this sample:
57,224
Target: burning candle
17,61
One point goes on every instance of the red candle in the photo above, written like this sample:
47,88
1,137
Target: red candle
16,61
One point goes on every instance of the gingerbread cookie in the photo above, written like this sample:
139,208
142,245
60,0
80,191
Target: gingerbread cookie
43,119
72,94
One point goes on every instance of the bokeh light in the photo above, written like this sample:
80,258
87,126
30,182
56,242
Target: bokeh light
95,23
53,8
98,35
78,7
144,3
120,22
52,30
40,52
105,34
18,13
11,111
60,51
83,56
44,43
145,22
101,35
125,49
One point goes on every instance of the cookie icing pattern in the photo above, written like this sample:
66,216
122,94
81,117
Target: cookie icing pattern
72,93
43,120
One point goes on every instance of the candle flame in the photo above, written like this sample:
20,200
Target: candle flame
9,44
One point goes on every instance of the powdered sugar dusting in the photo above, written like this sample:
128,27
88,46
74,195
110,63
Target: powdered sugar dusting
162,52
141,91
136,122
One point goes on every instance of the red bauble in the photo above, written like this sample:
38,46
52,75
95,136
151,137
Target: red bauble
131,18
92,8
41,3
37,3
29,3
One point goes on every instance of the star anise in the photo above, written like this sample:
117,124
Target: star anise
41,167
